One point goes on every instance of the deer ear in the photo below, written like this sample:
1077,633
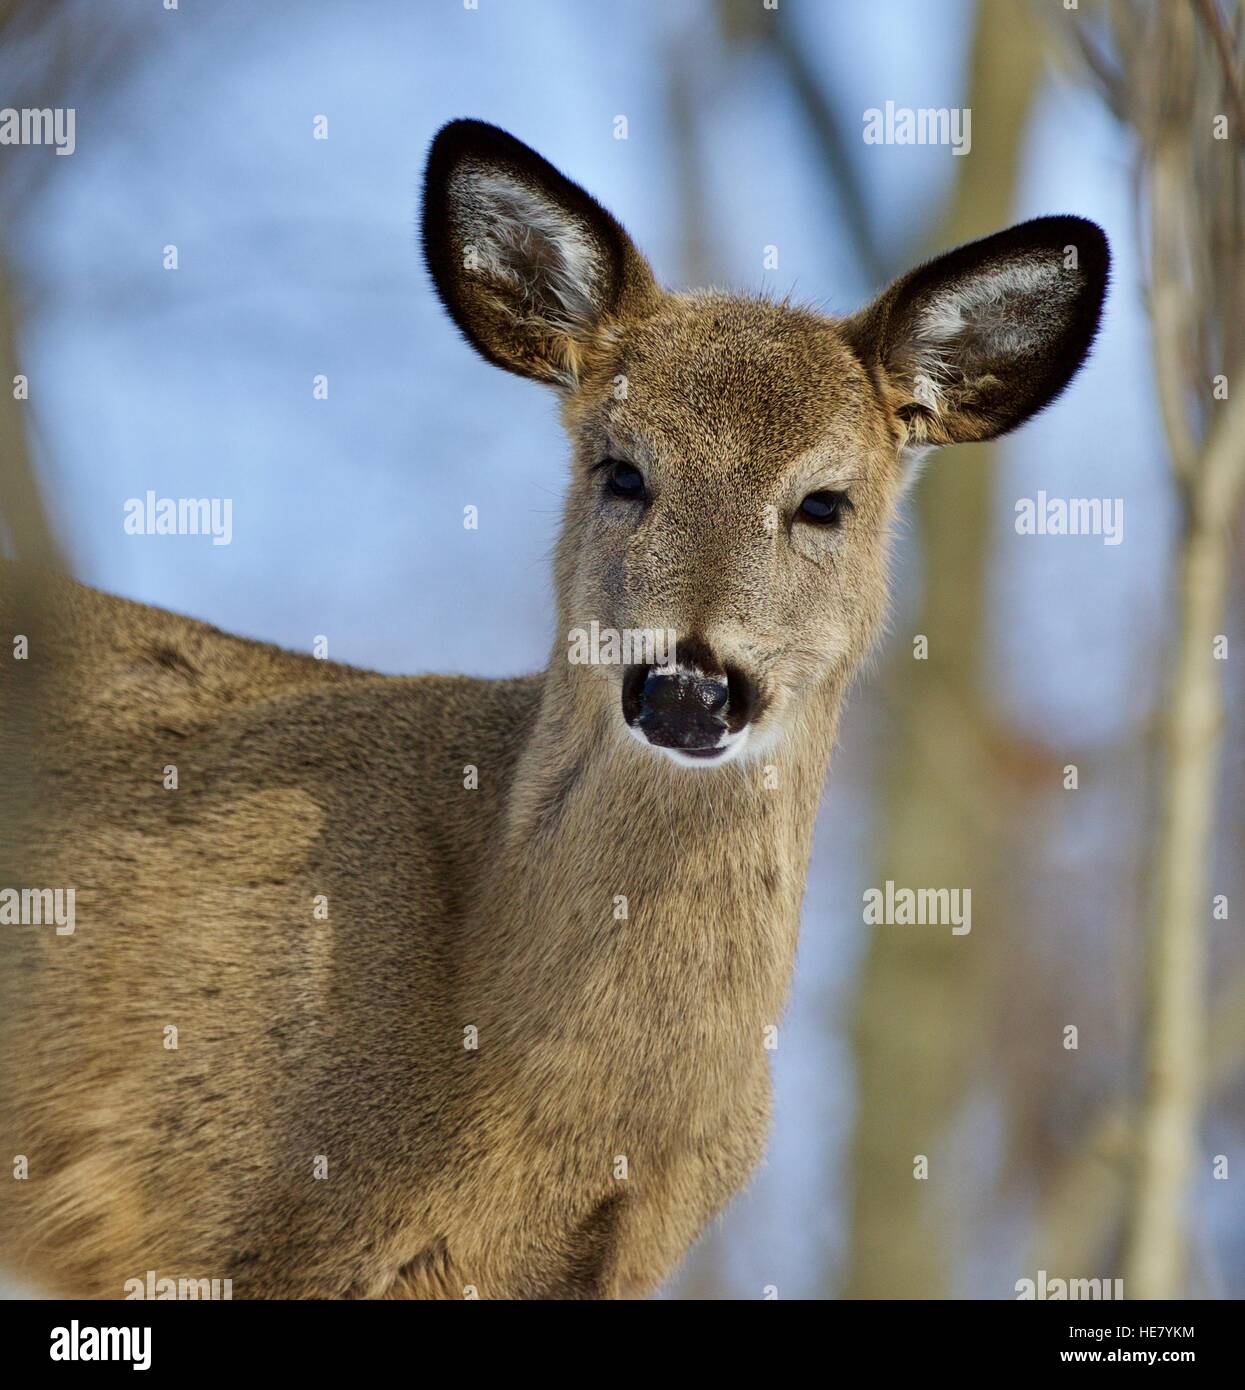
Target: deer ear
530,267
972,344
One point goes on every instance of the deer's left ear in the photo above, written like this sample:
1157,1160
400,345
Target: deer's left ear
972,344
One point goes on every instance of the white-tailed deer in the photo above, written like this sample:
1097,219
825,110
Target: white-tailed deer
420,987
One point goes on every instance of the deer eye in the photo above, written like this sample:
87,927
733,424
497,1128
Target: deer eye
624,480
824,508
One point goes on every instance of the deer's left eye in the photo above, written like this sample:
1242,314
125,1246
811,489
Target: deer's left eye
624,480
824,508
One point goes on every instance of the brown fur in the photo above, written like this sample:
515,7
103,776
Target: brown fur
450,1170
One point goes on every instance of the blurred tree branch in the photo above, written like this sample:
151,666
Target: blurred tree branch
920,1009
1083,1206
1212,19
1210,471
1174,65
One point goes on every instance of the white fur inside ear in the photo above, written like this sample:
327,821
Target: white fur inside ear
536,251
971,329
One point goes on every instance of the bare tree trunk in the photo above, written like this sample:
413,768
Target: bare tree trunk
1174,88
920,1000
1176,78
1082,1208
1175,991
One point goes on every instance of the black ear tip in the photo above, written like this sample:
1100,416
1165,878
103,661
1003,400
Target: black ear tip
1079,233
465,125
1094,252
466,130
1055,228
1094,243
462,139
467,137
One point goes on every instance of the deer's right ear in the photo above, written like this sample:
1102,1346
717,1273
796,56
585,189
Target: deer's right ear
530,267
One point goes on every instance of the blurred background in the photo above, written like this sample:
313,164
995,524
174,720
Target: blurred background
278,149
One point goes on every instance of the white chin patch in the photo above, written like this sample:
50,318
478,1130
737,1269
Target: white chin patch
730,746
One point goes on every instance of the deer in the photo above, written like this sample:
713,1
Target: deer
442,987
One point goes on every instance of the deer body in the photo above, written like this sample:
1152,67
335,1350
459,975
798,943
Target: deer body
345,1038
433,1038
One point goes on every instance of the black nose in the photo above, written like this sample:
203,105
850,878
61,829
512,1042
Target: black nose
677,694
681,708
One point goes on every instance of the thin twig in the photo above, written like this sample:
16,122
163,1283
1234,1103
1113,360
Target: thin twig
1209,14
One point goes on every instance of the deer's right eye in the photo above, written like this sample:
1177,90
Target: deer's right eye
624,480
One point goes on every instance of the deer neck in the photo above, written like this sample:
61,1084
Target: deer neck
599,836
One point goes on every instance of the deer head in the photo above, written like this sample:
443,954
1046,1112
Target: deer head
738,462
